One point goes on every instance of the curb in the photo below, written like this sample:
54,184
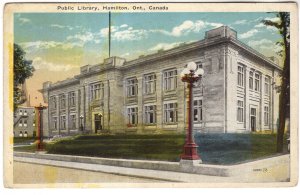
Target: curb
202,169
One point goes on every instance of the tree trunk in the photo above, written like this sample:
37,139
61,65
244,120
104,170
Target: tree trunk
283,100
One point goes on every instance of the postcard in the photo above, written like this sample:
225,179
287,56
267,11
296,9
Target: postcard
150,94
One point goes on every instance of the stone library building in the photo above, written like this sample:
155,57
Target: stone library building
146,95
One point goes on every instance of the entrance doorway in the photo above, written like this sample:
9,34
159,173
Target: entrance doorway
253,119
98,122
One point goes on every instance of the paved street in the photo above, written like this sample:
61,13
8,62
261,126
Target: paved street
27,173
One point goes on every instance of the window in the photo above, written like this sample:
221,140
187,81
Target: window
97,91
21,134
54,122
25,134
150,114
62,122
266,115
240,111
132,87
267,85
257,80
170,113
150,82
21,123
72,98
25,112
170,80
251,80
53,102
198,111
20,112
33,122
73,121
25,122
199,64
241,76
132,116
62,100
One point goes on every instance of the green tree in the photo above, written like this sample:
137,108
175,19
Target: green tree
23,69
283,26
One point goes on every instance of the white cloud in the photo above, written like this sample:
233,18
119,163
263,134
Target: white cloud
104,31
124,26
261,25
61,26
164,46
187,27
24,20
32,47
255,43
265,45
248,34
85,37
125,54
130,35
275,19
240,22
39,63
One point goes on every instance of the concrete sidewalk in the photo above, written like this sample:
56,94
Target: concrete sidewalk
249,172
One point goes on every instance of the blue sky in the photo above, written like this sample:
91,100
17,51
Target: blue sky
62,42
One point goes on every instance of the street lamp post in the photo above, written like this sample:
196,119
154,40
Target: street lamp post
81,123
190,75
40,145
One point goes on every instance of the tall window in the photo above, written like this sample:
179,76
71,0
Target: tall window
97,91
266,115
62,122
132,116
21,123
170,80
251,80
240,111
257,81
267,85
132,87
150,83
73,121
25,122
170,113
53,102
62,101
72,98
240,76
20,112
25,112
54,123
198,111
150,114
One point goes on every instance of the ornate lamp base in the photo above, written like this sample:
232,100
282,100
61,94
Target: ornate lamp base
190,152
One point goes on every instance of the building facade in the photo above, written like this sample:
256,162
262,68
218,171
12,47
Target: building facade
25,122
146,95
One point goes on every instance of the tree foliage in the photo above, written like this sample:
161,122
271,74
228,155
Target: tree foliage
23,69
283,27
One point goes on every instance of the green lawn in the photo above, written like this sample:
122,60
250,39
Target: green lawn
23,140
213,148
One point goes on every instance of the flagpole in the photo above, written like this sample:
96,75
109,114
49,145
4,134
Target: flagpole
109,32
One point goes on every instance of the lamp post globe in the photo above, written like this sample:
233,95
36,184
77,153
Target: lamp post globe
190,75
192,66
184,72
199,72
